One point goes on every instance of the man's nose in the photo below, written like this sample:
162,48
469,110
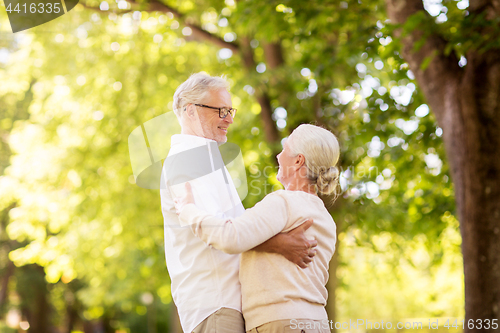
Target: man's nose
228,118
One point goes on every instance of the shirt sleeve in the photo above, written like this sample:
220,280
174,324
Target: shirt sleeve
194,166
205,194
235,235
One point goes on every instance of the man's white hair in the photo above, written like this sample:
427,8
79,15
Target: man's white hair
196,89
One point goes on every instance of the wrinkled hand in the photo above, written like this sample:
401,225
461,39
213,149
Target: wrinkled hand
188,198
297,248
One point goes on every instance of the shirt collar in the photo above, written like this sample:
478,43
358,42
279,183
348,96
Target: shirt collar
188,140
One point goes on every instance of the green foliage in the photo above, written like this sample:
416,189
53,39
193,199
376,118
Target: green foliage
75,88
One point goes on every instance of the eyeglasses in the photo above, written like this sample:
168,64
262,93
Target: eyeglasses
223,112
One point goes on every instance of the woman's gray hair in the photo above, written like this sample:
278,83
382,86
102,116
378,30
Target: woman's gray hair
321,151
195,90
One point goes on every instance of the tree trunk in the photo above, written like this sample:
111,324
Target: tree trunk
333,281
72,316
175,322
88,327
4,292
331,286
270,130
152,326
273,54
466,102
479,211
35,306
7,246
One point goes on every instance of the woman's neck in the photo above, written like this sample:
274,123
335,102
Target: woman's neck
302,184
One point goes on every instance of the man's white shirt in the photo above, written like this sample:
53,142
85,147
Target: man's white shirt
203,279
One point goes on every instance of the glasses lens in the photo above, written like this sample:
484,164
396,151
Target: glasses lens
223,112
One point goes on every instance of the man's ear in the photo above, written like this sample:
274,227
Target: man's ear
190,110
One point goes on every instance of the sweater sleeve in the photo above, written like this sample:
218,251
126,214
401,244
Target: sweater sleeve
235,235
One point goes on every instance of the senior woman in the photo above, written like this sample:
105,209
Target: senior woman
278,296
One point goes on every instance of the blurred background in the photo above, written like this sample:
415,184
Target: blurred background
82,245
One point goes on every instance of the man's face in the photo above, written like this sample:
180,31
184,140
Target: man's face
213,127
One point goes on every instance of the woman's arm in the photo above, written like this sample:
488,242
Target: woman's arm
292,245
266,219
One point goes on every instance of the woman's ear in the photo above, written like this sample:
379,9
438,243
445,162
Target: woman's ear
300,160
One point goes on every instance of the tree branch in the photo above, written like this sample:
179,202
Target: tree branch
97,9
490,7
481,5
199,32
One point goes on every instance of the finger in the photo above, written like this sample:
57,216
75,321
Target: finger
312,243
302,265
307,260
311,254
189,190
306,225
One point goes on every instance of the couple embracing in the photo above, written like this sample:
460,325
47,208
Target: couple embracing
233,270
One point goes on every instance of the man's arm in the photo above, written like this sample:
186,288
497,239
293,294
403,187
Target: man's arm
293,245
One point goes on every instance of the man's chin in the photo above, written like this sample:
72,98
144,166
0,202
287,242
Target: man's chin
221,139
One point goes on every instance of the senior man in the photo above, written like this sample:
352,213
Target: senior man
204,281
